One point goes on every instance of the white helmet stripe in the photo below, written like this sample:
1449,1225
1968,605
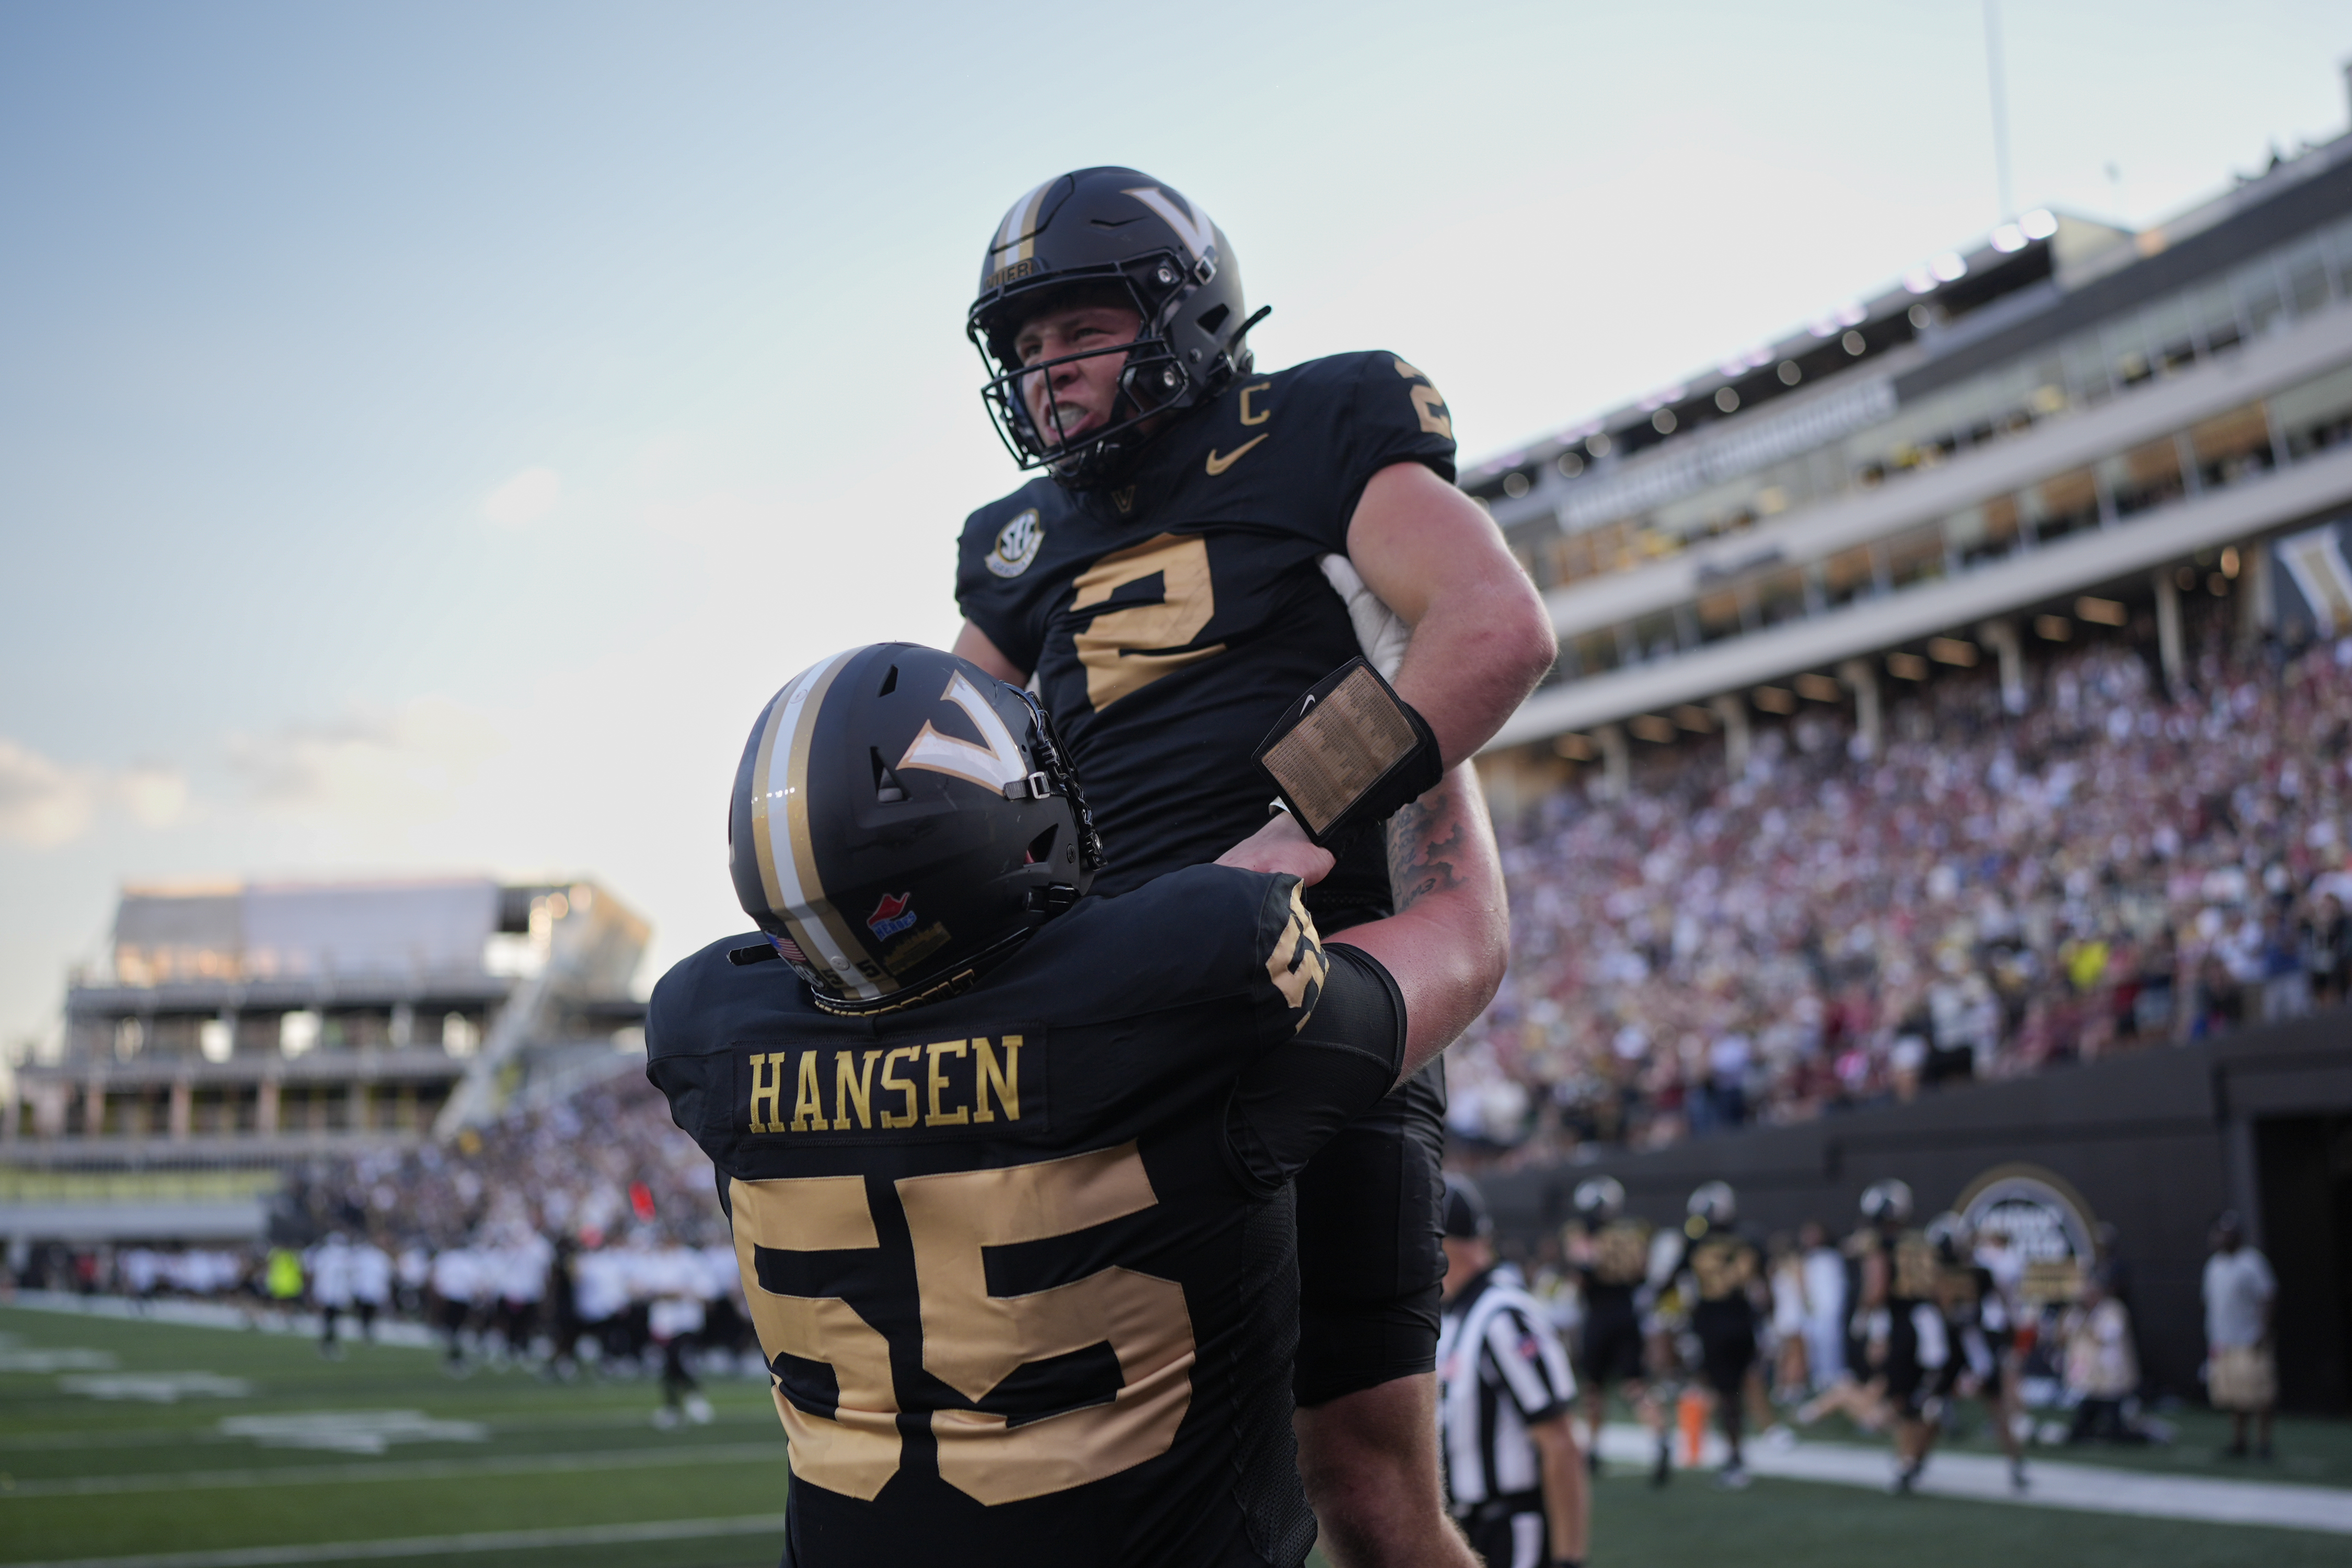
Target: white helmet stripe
1015,238
780,826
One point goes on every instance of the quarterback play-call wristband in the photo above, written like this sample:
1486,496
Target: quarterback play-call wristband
1350,752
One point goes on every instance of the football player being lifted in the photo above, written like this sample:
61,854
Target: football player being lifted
1009,1168
1204,544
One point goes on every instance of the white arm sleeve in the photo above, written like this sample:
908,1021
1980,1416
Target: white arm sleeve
1380,631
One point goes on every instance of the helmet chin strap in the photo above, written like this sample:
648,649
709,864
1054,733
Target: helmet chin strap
955,983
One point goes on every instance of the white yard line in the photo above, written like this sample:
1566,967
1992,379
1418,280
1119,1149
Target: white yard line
436,1546
1984,1477
400,1470
302,1320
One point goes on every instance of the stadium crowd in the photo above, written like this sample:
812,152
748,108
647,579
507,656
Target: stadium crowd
1995,892
584,1231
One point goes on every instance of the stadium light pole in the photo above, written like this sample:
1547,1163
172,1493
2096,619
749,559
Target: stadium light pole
2167,631
1732,713
1862,681
1996,82
2001,636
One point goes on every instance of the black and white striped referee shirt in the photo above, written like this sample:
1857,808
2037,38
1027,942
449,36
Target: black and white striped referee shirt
1501,1369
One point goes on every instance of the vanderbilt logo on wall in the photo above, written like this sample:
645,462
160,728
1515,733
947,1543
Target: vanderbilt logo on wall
2043,1217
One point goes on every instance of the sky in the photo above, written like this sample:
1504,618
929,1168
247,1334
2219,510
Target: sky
430,432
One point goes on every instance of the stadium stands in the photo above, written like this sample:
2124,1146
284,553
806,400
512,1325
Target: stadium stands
2118,865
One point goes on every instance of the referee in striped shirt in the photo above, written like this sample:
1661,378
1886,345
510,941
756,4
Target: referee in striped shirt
1514,1476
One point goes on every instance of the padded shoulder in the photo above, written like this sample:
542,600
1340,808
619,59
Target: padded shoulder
1192,936
705,996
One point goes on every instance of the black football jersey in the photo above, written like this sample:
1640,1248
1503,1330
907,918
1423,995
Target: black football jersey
1615,1260
1915,1269
1022,1260
1172,620
1724,1265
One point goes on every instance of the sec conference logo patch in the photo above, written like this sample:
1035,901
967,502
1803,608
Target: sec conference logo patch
1016,545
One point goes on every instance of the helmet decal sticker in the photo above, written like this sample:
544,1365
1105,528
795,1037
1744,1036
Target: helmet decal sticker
1193,228
894,914
1016,545
992,766
787,859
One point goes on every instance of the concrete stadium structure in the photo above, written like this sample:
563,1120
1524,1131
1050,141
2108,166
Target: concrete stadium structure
232,1032
2062,422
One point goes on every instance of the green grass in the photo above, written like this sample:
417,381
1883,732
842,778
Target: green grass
1800,1526
51,1439
88,1477
2305,1451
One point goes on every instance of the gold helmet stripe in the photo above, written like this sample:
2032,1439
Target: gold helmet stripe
788,871
1017,240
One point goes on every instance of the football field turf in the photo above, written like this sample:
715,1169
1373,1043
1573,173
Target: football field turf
110,1448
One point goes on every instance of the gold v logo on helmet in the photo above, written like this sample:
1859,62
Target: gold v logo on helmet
992,766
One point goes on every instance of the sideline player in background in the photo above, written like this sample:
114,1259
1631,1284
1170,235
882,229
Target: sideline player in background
1506,1403
1976,1323
1610,1252
1905,1332
1027,1290
1727,1284
1206,543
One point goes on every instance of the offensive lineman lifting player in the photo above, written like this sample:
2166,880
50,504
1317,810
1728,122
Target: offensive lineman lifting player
1008,1171
1206,543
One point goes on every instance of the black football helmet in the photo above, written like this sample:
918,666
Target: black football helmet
1715,1203
1600,1198
1887,1202
1124,232
1465,1216
901,821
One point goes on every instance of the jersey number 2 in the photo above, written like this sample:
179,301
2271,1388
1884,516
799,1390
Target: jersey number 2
974,1340
1125,649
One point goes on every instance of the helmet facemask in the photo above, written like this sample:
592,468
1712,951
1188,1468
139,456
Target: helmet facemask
1154,379
1121,237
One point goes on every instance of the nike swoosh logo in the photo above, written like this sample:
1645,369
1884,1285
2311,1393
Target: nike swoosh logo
1218,465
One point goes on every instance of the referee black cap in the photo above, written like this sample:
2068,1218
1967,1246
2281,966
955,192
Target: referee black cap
1465,1210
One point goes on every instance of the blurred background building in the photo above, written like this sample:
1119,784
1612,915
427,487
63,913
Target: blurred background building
233,1032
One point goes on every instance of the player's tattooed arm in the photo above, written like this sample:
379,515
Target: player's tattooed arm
1446,943
1425,840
